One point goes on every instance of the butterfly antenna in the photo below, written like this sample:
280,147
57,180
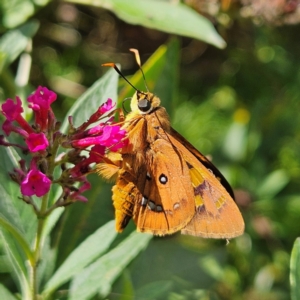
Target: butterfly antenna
138,60
113,65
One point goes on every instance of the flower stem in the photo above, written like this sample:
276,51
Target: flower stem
38,245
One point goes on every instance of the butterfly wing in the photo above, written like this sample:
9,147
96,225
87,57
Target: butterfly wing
204,160
165,206
217,215
157,194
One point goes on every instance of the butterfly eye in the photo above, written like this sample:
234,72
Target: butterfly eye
144,105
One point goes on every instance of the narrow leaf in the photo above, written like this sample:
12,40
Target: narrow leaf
99,276
17,264
84,254
88,103
171,17
6,294
15,41
18,236
295,270
273,184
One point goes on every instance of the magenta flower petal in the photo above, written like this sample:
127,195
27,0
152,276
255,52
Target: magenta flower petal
12,110
37,142
42,98
9,127
76,196
40,102
107,106
95,130
112,136
35,183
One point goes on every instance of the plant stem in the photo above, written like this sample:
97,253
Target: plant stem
38,245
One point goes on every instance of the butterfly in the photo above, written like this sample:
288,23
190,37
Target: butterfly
163,182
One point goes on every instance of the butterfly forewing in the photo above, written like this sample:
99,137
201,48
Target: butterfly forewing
166,192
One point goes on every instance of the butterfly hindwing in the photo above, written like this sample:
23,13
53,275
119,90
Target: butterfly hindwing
217,215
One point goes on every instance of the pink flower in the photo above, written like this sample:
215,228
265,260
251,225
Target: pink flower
107,106
112,137
9,127
42,98
96,130
40,102
35,183
76,196
37,142
81,168
96,154
12,111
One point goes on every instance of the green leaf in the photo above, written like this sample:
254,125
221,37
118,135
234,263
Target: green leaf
12,209
161,73
84,254
4,265
127,289
273,184
154,290
99,276
171,17
17,12
6,294
88,103
18,237
295,270
52,220
17,263
13,43
152,69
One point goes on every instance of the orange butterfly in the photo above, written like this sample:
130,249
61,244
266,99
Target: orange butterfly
165,184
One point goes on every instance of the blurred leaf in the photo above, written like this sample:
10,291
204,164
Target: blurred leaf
235,144
4,265
295,271
161,72
88,103
12,209
15,41
154,290
5,294
16,12
152,69
99,276
17,263
52,220
18,237
194,295
273,184
212,267
176,18
47,266
166,84
127,288
83,255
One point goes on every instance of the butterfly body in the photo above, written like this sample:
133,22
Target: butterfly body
165,185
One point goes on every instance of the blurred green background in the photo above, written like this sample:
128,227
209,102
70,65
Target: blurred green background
238,104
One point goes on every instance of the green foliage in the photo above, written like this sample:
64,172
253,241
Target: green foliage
295,270
176,18
239,105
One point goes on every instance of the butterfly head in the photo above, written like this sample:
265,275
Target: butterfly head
144,102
